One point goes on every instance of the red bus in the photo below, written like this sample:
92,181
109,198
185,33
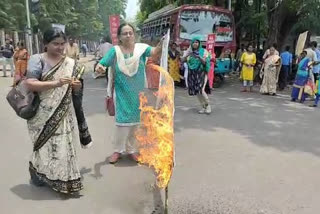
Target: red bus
188,21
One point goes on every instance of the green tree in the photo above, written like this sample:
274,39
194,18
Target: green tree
82,22
111,7
275,21
285,15
87,19
12,14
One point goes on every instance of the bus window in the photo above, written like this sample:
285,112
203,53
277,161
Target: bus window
201,23
166,28
171,29
158,30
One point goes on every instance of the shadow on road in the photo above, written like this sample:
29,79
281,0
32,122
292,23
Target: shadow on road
30,192
125,161
33,193
262,119
267,121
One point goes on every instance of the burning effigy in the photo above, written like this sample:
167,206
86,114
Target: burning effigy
155,136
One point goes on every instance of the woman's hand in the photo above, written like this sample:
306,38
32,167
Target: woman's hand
100,68
76,85
62,81
203,60
156,51
161,41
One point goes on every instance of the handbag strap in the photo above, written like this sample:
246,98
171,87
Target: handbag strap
113,79
113,70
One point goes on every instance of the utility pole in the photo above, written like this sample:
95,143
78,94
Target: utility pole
259,24
229,5
28,35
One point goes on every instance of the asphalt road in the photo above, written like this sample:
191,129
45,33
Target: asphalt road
253,155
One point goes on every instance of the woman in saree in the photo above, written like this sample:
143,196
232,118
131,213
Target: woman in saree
174,63
128,63
271,70
317,93
198,60
20,57
56,79
302,77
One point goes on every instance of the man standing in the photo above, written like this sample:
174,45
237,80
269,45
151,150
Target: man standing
311,54
316,68
84,49
104,47
7,52
101,51
72,49
286,58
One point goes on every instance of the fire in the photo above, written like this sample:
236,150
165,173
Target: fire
156,134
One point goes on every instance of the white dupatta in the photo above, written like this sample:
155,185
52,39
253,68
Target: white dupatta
130,65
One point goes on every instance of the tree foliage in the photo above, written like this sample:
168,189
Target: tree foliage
284,16
275,19
87,19
12,14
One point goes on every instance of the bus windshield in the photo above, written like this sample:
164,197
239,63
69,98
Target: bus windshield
201,23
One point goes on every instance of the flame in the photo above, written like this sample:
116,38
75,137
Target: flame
156,134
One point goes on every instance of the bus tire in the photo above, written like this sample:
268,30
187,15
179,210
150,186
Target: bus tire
218,80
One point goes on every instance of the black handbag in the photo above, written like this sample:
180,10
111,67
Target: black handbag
23,101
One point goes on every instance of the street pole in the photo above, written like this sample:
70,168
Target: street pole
2,37
259,25
229,5
29,36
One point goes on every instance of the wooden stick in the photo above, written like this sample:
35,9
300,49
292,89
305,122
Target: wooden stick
166,200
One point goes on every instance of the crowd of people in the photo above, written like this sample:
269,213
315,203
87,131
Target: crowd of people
57,77
272,70
278,69
15,58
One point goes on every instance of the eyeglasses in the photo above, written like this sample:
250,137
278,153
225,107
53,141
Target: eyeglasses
127,33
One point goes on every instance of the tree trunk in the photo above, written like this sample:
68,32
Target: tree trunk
2,37
220,3
36,41
281,21
237,17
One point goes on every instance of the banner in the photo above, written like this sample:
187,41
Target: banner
60,26
114,23
210,43
210,48
165,50
301,43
